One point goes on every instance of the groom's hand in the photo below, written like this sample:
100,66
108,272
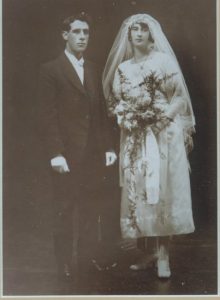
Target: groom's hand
59,164
110,158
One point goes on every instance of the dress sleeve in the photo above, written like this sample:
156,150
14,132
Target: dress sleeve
115,95
174,89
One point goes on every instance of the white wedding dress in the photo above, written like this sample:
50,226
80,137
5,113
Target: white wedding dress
171,213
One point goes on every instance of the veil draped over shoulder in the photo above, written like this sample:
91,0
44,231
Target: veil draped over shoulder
122,50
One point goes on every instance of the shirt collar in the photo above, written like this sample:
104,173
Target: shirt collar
74,60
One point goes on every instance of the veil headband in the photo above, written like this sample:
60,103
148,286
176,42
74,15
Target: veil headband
122,50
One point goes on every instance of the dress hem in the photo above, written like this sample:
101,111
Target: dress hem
158,235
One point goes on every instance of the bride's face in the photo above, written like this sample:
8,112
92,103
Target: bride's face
139,35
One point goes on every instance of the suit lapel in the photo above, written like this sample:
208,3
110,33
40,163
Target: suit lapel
71,74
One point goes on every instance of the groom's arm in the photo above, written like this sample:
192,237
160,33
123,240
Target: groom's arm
109,128
48,114
110,135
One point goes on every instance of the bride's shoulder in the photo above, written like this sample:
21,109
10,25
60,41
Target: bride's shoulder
123,66
161,56
167,62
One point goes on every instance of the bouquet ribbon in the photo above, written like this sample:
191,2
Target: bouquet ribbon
151,155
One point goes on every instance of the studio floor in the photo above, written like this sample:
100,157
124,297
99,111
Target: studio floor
29,268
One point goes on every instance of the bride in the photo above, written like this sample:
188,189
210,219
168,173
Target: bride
145,89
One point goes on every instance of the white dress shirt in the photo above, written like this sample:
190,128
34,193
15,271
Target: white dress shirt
77,64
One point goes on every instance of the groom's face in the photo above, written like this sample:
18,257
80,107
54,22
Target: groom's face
77,37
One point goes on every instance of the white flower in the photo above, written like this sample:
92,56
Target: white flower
134,92
127,125
119,119
120,108
135,124
129,116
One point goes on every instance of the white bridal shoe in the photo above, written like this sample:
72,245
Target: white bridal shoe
163,268
144,264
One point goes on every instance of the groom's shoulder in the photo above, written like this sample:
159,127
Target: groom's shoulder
52,62
94,67
91,64
52,67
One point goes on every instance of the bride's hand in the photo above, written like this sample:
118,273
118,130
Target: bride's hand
160,125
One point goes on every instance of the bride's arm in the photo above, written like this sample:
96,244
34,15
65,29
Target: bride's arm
174,93
178,105
177,100
115,95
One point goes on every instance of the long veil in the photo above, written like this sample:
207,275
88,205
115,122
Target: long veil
122,50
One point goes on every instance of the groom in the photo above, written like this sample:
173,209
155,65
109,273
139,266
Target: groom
76,134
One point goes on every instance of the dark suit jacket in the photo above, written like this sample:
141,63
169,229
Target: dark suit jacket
69,111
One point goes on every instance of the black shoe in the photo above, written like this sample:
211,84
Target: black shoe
104,266
97,265
65,272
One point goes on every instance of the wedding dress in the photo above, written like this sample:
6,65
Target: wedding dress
156,194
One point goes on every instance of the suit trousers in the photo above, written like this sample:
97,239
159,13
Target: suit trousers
81,211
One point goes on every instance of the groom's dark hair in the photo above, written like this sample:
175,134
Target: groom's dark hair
82,16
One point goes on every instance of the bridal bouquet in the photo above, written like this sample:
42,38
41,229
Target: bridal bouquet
135,112
136,109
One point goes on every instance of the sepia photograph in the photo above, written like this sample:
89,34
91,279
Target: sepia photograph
109,148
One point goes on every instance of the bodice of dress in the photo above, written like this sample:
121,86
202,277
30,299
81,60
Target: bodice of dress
129,78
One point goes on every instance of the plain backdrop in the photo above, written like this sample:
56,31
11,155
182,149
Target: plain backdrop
31,36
